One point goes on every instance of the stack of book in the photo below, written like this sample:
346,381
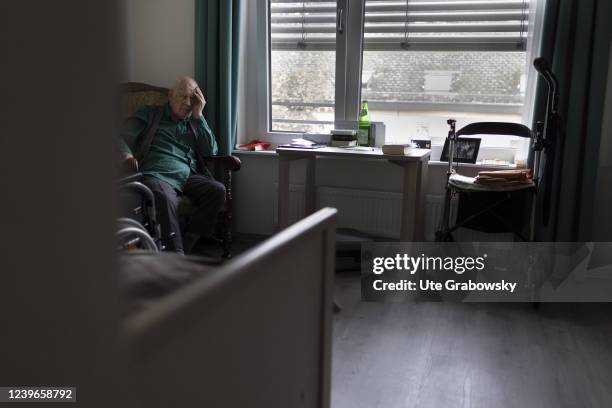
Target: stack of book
343,138
398,149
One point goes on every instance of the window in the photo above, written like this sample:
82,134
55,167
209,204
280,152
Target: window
302,65
429,60
416,62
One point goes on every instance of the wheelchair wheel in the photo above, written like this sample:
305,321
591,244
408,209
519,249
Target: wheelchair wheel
134,237
125,222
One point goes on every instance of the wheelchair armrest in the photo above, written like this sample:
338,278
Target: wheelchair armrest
130,178
231,163
139,188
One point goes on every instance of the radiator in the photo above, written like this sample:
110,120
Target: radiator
376,213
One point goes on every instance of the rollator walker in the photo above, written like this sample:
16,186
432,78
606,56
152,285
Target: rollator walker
503,208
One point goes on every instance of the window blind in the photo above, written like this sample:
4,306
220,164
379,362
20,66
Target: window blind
483,25
493,25
297,25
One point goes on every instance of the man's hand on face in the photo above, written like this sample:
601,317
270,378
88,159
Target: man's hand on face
198,103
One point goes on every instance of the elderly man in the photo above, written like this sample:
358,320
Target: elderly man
167,144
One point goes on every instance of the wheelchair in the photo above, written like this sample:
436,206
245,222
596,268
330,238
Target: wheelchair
137,227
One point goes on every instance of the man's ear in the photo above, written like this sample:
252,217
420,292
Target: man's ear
170,93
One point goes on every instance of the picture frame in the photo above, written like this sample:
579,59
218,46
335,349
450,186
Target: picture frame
422,143
466,150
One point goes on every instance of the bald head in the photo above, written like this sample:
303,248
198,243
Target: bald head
181,96
183,82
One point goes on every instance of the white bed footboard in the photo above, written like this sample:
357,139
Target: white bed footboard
254,333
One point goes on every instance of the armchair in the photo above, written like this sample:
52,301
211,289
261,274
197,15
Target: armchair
136,95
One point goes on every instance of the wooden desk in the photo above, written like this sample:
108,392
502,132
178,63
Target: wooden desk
414,171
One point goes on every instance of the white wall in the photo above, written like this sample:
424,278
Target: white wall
242,71
160,40
250,125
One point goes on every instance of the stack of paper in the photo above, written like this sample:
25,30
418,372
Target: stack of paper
302,144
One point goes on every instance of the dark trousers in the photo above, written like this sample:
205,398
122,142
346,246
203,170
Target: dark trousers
207,197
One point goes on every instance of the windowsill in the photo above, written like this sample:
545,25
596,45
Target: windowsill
269,152
436,163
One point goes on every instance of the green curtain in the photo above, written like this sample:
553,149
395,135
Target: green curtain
576,40
217,34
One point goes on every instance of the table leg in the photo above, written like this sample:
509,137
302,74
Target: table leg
421,191
310,196
283,191
413,200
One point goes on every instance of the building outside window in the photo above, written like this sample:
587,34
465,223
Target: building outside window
302,65
421,62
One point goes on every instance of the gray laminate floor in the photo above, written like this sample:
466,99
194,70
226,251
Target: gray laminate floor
469,355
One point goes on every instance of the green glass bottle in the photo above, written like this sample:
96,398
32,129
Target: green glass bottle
363,137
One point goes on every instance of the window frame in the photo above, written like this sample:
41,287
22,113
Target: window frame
349,59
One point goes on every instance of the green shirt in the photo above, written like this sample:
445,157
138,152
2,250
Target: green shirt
171,157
